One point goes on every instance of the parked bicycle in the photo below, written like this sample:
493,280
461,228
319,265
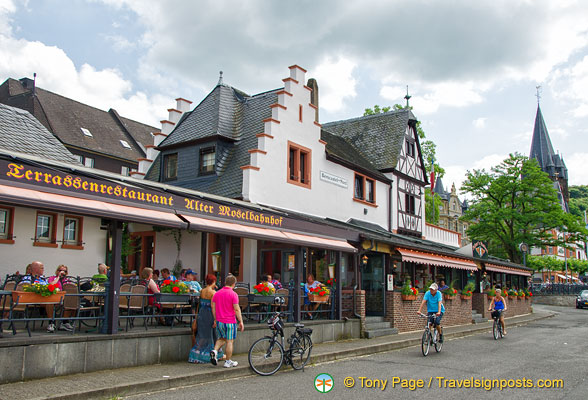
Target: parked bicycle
497,328
267,354
430,335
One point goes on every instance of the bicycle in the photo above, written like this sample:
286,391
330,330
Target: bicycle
267,355
430,336
497,327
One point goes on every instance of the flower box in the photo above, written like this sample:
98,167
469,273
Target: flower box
410,297
447,297
464,297
318,299
172,298
258,298
35,298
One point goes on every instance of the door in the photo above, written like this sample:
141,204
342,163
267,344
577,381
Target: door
374,283
143,245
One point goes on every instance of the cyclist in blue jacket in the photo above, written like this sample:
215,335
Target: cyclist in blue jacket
434,301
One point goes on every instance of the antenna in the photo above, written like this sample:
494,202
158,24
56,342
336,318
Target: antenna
34,82
220,78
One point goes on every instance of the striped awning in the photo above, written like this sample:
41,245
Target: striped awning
506,270
436,259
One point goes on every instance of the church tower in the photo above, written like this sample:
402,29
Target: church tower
549,161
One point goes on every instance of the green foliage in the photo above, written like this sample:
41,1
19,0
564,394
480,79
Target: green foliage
550,263
516,203
578,200
376,110
468,289
432,204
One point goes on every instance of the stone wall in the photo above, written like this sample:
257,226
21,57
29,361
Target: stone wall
516,306
24,358
402,314
556,300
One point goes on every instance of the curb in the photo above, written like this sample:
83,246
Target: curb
136,387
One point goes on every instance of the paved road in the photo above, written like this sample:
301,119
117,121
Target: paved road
549,349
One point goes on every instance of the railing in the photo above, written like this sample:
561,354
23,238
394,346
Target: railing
441,235
557,289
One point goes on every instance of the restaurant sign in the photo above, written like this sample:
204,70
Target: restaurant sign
75,184
480,249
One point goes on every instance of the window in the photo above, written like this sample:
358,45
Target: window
410,148
299,165
89,162
6,225
80,158
72,232
125,171
207,160
170,166
364,189
86,132
45,229
125,144
409,203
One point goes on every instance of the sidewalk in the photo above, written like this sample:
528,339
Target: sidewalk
107,384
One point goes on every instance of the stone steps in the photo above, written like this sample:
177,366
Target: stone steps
376,327
477,318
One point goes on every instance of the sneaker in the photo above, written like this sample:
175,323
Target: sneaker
441,338
51,328
213,355
66,327
231,363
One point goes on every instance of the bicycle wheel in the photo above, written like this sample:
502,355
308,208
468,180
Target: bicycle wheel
426,342
500,329
495,328
438,344
300,349
266,356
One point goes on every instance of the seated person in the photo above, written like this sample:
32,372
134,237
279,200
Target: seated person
310,284
264,279
191,281
35,274
165,274
442,285
101,276
276,281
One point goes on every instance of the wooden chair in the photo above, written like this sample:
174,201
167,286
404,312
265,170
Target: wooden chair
73,303
243,292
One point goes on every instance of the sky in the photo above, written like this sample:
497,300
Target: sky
471,67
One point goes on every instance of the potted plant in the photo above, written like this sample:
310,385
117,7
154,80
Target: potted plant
173,292
319,294
466,293
490,293
449,293
528,294
408,292
38,293
512,293
262,293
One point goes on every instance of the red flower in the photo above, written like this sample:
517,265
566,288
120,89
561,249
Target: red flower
166,282
530,294
322,293
266,289
175,289
51,288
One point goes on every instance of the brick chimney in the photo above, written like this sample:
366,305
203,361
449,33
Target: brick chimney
167,126
314,96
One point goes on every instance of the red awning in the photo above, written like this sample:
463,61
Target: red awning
506,270
436,259
255,232
77,205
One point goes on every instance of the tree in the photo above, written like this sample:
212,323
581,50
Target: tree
514,203
578,200
432,204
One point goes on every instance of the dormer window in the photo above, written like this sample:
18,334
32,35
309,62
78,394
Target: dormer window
86,132
125,144
170,166
364,189
207,160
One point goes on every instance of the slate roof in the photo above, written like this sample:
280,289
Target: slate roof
542,150
65,117
440,190
339,148
23,133
230,114
379,138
